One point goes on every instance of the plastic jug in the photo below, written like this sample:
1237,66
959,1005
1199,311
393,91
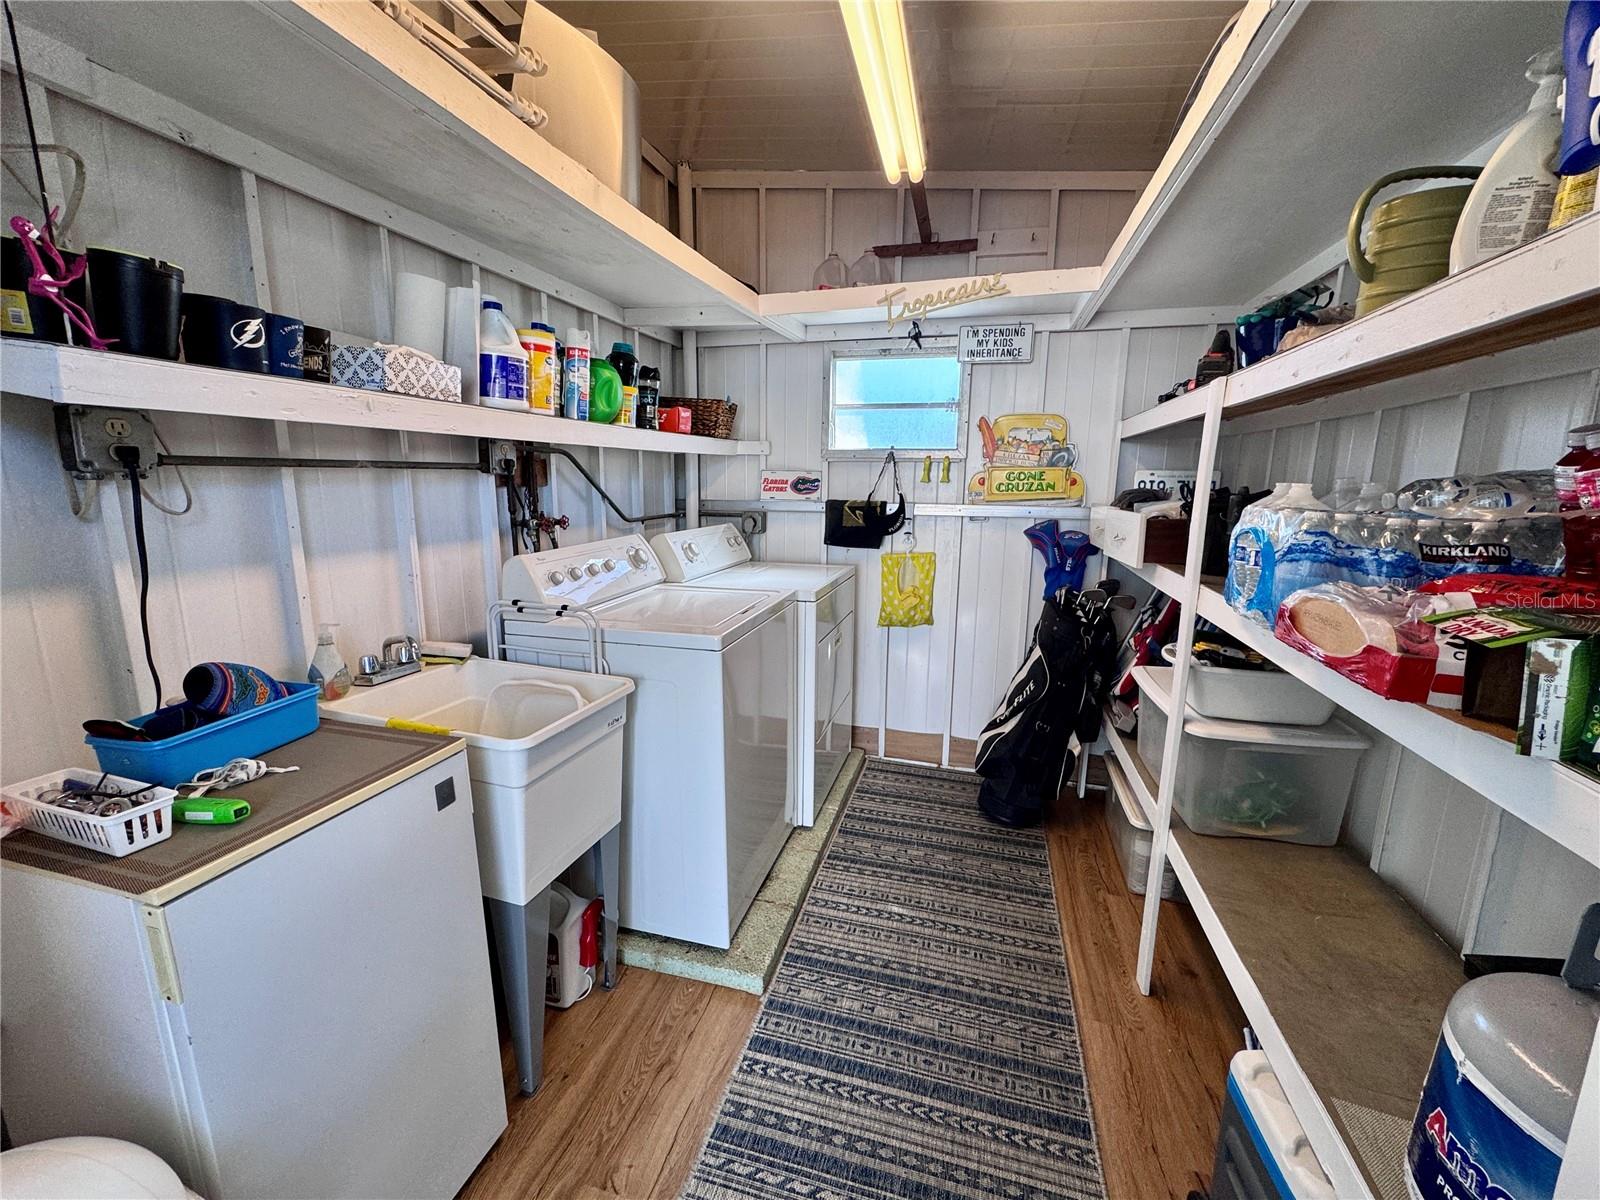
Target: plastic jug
605,392
502,361
1410,243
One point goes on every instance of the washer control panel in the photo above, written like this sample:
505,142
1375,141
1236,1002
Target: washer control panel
695,553
588,574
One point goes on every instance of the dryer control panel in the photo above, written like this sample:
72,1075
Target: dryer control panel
695,553
588,574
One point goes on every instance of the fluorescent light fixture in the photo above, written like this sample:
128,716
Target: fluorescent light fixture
877,30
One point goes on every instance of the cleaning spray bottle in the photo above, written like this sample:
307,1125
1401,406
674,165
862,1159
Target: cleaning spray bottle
328,671
1511,203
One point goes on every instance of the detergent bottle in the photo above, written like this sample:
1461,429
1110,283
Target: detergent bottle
1511,203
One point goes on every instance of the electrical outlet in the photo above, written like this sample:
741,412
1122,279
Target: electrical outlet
89,438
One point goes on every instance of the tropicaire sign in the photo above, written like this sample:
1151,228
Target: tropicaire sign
980,288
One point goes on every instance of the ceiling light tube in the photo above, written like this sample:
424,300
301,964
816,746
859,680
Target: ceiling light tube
897,61
877,33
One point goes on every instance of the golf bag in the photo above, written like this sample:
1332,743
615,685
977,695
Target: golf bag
1051,709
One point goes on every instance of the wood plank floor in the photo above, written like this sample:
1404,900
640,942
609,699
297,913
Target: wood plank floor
633,1076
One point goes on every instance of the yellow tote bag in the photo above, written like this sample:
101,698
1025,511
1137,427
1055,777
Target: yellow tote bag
907,590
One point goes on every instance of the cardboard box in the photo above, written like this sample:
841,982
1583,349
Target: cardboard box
1555,697
397,369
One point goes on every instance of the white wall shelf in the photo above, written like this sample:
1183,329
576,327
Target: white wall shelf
1558,801
1528,313
101,378
1258,184
338,86
1322,954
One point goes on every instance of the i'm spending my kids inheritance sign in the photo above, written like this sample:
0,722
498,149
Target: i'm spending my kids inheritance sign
996,343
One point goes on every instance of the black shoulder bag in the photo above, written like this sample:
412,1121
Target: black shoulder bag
863,524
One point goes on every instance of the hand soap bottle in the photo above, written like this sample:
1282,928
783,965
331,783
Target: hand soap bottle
1510,204
328,671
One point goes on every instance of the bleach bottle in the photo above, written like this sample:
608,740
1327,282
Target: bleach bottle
502,359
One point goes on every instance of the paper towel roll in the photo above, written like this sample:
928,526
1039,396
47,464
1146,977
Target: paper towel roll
461,338
419,310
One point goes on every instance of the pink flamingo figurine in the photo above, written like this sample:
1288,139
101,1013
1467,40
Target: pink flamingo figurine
50,282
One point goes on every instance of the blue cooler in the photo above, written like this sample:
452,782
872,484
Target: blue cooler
1262,1152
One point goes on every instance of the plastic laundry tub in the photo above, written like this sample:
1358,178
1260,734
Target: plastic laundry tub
1290,783
544,749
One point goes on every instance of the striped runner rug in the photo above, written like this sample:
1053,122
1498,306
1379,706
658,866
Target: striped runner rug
919,1038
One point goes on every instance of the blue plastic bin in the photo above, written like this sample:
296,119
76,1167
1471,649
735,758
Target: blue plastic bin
249,735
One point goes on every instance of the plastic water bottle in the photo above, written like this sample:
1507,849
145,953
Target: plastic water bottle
502,360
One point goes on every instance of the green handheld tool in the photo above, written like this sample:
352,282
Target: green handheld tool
210,810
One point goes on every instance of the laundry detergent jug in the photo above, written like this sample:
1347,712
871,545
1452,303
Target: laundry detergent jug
1500,1095
1409,246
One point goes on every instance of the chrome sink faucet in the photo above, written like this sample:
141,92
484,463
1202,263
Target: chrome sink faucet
406,659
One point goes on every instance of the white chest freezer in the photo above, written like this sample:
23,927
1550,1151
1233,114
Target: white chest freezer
295,1006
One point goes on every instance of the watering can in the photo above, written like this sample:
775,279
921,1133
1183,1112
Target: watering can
1410,243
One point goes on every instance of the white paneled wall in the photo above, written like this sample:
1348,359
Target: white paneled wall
1484,880
940,681
772,229
380,552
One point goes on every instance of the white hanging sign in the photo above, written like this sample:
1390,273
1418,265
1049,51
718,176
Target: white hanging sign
997,343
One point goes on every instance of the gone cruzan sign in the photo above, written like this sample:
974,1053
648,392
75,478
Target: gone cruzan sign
996,343
981,288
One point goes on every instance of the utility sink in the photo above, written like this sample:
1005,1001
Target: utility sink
544,749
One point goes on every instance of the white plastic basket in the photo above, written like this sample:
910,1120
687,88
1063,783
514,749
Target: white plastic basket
121,833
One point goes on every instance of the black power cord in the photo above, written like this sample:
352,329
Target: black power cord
129,457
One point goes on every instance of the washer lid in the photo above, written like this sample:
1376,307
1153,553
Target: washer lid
667,615
808,581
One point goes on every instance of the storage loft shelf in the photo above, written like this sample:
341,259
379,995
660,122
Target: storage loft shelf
1259,181
1558,801
1029,293
1342,982
342,87
100,378
1527,313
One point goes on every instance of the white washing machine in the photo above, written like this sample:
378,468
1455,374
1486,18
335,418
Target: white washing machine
716,556
706,773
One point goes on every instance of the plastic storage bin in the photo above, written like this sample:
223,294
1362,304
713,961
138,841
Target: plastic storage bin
1130,834
1232,694
145,824
178,759
1246,779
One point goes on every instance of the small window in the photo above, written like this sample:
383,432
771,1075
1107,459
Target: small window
901,401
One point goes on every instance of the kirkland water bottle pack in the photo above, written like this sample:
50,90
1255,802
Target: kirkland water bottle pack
1435,528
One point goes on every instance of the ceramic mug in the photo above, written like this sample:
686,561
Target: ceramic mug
221,333
286,345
